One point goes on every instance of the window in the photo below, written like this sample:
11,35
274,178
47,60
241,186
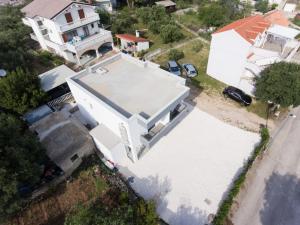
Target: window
92,25
69,17
74,157
81,13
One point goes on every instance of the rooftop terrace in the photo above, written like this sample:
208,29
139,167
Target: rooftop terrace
131,86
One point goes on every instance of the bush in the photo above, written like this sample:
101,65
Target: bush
224,209
175,54
197,47
170,33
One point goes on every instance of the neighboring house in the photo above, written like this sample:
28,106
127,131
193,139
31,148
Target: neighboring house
132,43
66,28
129,104
170,6
108,5
65,139
242,49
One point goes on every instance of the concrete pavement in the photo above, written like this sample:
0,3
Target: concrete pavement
272,193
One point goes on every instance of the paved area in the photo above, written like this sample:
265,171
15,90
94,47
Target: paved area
188,171
272,196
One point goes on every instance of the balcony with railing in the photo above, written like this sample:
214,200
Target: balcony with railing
160,129
77,23
81,43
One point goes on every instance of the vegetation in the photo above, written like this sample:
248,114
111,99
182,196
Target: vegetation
14,36
123,22
20,91
279,83
119,211
262,6
20,156
224,209
159,22
175,54
105,17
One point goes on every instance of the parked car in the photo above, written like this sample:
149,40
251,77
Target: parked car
174,68
237,95
190,70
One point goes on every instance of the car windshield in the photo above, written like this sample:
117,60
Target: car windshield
174,69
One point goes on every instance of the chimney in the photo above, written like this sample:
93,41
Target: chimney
137,33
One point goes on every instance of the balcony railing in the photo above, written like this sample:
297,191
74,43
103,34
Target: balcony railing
160,130
78,23
86,42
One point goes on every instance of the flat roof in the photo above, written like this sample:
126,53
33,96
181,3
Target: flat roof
105,136
165,3
286,32
132,86
55,77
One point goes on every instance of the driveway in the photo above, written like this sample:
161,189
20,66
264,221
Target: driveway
188,171
272,193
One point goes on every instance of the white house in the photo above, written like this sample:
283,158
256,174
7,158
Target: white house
129,104
69,29
242,49
132,43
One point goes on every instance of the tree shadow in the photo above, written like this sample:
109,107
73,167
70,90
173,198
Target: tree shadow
157,188
281,200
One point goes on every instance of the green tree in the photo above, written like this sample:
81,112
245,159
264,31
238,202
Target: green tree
123,22
280,83
170,33
20,91
14,36
104,16
262,6
175,54
20,155
213,15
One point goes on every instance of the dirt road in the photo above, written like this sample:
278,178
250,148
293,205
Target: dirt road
227,110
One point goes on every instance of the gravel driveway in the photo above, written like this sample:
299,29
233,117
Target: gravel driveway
188,171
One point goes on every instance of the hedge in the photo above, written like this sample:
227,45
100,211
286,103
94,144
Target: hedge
224,209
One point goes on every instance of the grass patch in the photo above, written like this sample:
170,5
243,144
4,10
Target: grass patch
190,19
198,56
222,214
259,108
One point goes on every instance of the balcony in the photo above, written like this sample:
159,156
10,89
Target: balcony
79,44
77,23
33,37
160,130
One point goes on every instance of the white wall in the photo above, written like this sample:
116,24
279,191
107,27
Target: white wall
227,57
142,46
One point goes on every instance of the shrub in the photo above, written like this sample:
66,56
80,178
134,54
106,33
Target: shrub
170,33
197,47
175,54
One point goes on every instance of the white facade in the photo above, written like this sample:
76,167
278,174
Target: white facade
72,39
137,47
127,104
236,61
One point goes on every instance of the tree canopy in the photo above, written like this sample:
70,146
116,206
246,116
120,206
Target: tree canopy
20,155
20,91
14,36
280,83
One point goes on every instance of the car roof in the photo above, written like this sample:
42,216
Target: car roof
190,67
173,63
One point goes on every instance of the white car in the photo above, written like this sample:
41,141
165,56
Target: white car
190,70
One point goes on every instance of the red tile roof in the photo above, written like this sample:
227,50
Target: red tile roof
249,28
277,17
132,38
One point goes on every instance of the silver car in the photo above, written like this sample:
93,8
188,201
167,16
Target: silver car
190,70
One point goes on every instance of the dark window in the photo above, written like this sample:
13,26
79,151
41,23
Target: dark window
81,13
92,25
69,17
74,157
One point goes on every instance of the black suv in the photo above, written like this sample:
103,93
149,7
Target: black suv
237,95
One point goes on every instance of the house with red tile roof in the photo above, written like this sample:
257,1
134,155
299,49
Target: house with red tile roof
67,28
132,43
240,50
